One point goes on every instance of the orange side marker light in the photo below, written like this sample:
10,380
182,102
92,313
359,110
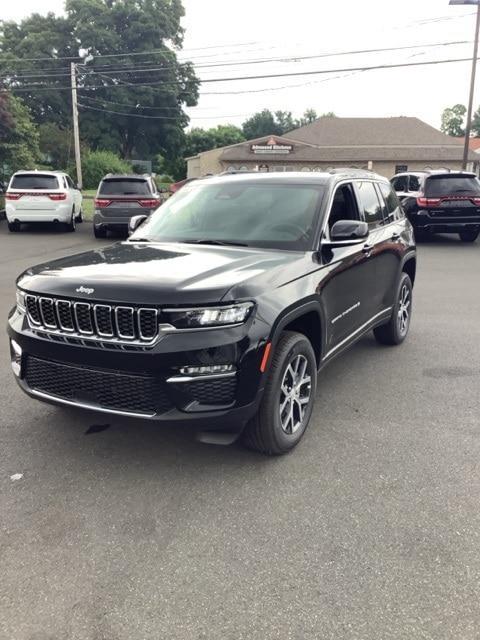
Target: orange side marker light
266,353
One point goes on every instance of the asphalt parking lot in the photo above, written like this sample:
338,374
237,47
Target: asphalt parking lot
370,529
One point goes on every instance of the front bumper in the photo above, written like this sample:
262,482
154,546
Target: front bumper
145,383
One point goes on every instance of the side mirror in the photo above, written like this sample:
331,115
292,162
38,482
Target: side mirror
348,232
135,222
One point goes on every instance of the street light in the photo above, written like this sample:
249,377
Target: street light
472,78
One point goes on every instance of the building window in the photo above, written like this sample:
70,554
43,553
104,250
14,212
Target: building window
305,168
400,168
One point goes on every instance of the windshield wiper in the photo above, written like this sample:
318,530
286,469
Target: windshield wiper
224,243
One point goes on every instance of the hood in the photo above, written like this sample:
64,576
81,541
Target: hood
162,274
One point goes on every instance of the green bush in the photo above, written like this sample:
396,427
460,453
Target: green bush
96,164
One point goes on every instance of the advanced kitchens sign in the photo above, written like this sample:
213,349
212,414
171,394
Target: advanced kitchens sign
271,146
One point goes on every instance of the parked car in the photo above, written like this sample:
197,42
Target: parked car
441,202
222,307
2,198
119,197
42,196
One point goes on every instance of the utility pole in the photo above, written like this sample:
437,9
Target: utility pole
468,126
76,132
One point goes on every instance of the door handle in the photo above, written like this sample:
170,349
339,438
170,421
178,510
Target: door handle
367,248
395,237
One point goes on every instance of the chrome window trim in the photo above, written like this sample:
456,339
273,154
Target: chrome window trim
81,331
40,306
60,325
95,320
119,333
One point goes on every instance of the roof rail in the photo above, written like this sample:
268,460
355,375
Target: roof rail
351,170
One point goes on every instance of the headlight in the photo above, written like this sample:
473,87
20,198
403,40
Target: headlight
20,295
209,317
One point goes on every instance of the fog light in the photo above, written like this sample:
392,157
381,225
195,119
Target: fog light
16,357
207,370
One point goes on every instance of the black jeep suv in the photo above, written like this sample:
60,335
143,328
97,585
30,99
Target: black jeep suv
440,201
119,198
223,306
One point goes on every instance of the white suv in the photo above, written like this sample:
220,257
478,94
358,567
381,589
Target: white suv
42,196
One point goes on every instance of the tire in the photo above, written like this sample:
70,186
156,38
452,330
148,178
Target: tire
13,226
79,218
469,236
72,225
396,329
99,232
267,432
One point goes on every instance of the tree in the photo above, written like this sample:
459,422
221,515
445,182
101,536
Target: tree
56,145
198,140
476,123
97,164
452,120
117,112
18,136
261,124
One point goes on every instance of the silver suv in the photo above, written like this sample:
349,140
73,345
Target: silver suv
119,198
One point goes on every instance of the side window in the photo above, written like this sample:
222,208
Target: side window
70,182
393,209
400,183
370,204
64,182
344,206
413,183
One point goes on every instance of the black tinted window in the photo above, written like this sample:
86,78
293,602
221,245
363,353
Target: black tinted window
34,181
400,183
414,183
393,210
369,203
446,185
124,187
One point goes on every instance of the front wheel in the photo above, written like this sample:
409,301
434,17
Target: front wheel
396,329
469,236
99,232
288,398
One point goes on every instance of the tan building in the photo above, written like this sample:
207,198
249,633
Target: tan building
384,145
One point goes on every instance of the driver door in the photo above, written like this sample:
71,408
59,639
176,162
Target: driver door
346,291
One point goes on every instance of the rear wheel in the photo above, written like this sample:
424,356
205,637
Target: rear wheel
396,329
72,225
13,226
79,217
99,232
288,399
469,236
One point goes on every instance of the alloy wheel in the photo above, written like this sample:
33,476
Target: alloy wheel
403,317
295,394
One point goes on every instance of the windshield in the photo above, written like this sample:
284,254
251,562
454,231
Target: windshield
34,181
252,214
124,187
447,185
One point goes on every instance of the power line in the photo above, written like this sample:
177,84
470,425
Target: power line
286,59
139,115
291,74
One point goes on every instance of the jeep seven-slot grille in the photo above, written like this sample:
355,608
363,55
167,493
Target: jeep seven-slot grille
89,319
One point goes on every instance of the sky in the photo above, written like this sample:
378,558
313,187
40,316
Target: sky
221,31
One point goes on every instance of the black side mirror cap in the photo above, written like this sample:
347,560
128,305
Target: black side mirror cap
348,232
135,222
